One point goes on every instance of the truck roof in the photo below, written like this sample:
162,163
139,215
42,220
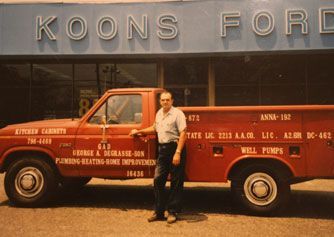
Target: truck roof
135,89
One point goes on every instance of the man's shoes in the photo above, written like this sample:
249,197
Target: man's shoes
171,218
156,217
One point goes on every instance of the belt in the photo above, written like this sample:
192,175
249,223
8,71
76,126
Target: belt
168,144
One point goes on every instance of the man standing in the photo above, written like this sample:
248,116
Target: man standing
170,125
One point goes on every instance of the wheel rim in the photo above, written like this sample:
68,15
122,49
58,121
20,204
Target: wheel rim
260,189
29,182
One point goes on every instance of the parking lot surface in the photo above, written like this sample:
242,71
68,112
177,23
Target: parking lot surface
120,208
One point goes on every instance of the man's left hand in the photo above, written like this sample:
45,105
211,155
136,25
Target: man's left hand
176,159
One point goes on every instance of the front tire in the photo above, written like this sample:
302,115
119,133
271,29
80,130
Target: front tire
260,189
30,182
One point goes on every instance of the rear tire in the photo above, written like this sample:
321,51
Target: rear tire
30,182
260,189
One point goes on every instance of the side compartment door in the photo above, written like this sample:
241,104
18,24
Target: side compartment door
319,129
103,145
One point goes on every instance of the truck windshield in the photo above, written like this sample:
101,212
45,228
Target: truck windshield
120,109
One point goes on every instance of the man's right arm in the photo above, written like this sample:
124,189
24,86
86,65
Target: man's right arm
144,131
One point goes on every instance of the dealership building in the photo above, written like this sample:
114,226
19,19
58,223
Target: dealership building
58,57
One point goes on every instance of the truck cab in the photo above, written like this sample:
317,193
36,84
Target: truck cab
103,136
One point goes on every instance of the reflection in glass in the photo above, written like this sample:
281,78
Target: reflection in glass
189,96
87,88
256,80
51,91
236,95
124,75
321,79
188,81
47,91
14,93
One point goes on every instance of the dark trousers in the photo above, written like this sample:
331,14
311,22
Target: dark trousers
163,168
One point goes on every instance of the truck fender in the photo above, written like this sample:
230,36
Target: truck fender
7,154
247,158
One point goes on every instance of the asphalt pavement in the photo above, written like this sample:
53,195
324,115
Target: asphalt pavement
120,208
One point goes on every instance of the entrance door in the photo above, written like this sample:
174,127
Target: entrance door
104,146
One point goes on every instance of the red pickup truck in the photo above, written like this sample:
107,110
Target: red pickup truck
260,149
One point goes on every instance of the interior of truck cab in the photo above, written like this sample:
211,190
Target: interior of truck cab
119,109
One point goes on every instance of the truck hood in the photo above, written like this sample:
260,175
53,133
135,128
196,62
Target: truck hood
43,127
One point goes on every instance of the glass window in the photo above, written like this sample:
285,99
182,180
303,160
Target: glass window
125,75
236,95
120,109
189,96
51,91
237,81
14,93
283,95
321,94
87,88
230,71
256,80
241,70
283,80
93,80
321,79
188,81
282,70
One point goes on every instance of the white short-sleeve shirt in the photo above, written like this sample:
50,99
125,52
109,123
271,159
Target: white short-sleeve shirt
170,125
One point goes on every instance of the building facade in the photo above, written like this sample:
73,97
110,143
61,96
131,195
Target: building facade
57,59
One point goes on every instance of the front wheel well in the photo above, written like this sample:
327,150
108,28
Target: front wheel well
19,154
277,165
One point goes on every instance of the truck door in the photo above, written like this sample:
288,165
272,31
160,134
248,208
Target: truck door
103,146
